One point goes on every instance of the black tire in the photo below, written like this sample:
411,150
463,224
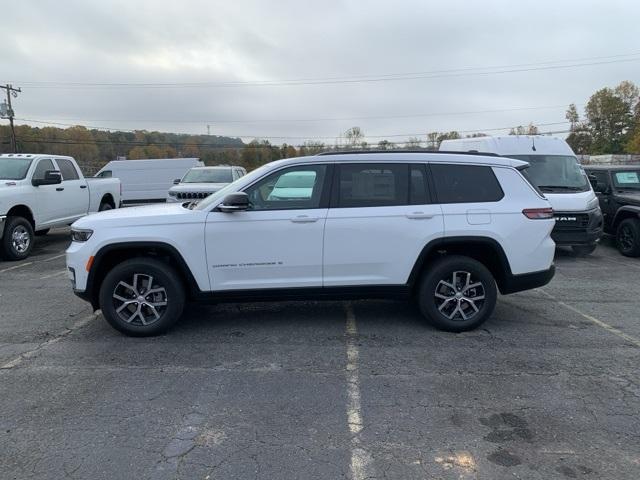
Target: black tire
42,233
113,295
583,250
18,238
105,206
628,237
449,314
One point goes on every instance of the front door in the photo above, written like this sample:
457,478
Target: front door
48,197
278,242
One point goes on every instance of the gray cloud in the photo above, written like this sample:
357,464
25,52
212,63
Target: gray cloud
204,41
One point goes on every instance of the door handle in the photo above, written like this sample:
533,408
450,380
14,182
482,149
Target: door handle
59,189
304,219
83,186
419,215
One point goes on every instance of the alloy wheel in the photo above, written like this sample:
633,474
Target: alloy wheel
626,237
459,296
20,239
142,301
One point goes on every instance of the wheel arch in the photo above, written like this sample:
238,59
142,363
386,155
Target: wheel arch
22,211
483,249
108,198
116,253
628,211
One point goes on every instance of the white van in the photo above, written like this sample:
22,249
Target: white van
554,169
147,181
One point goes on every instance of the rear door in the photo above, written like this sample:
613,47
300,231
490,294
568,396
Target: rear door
381,216
75,193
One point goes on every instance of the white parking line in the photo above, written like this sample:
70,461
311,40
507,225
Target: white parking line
53,258
361,461
600,323
34,351
16,267
51,275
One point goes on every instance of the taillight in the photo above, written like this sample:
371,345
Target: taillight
538,213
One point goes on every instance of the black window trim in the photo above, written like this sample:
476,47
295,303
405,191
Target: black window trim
324,196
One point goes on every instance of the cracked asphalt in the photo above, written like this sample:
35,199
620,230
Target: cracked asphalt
547,389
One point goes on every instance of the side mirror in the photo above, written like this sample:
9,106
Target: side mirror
234,202
176,181
51,177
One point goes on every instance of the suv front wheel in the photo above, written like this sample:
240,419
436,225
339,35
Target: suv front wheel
457,293
142,297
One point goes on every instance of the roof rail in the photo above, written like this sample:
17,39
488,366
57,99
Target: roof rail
472,152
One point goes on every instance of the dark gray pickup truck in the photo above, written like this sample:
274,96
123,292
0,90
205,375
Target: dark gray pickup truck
618,189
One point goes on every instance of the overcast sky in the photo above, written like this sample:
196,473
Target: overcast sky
209,43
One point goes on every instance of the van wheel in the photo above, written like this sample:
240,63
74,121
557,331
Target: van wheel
17,239
457,293
142,297
105,206
628,237
583,250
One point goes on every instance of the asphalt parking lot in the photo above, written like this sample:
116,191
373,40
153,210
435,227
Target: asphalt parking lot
548,388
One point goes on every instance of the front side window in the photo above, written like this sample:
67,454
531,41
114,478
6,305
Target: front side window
292,188
465,184
627,179
105,174
208,175
43,166
372,185
14,168
601,177
67,169
555,173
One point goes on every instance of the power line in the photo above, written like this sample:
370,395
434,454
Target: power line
459,72
298,120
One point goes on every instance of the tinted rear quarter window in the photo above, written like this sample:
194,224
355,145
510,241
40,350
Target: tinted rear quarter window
465,184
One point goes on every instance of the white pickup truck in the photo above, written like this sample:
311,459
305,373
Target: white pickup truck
39,192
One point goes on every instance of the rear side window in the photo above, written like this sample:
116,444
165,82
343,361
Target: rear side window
372,185
465,184
418,187
67,169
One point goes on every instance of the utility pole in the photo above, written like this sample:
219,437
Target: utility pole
7,112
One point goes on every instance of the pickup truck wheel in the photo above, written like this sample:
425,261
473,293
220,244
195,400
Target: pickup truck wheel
583,250
628,237
17,240
105,206
142,297
457,293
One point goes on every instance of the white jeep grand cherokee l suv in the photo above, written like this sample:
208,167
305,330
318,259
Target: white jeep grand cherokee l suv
448,230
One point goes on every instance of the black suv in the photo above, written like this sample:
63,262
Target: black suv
618,189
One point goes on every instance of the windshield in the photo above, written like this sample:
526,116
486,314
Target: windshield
14,168
627,179
232,187
208,175
555,173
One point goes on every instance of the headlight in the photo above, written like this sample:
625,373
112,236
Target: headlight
172,194
80,235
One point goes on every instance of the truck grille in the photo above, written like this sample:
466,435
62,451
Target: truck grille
192,195
571,221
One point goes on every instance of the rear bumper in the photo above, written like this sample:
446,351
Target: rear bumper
3,219
527,281
588,234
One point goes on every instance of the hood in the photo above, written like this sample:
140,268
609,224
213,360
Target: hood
197,187
572,201
628,198
160,214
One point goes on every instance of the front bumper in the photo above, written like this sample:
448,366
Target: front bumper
3,219
586,229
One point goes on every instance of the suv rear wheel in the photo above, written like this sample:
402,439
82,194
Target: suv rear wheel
142,297
628,237
457,293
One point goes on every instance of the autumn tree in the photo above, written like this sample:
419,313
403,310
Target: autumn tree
354,136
